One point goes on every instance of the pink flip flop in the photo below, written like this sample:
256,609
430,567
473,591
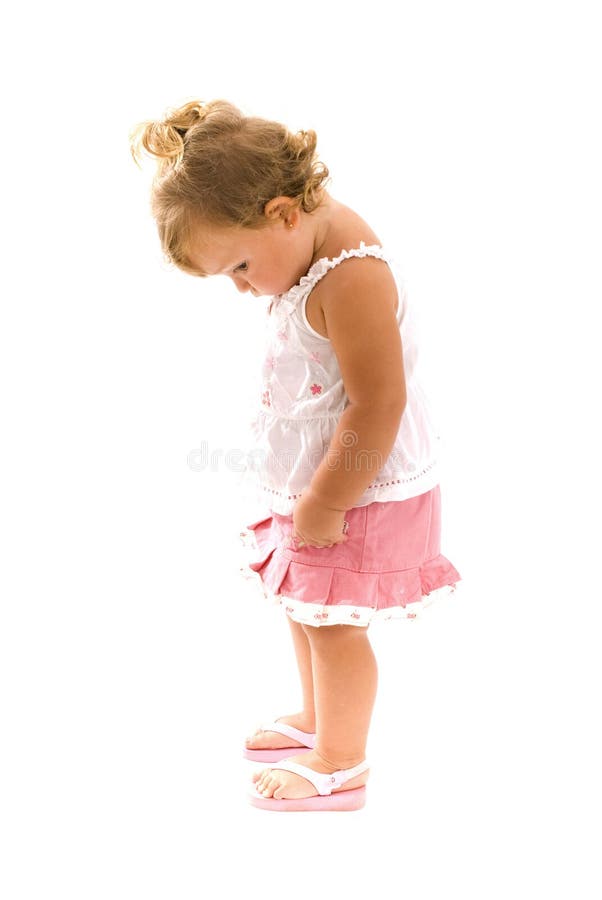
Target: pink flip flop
324,784
306,738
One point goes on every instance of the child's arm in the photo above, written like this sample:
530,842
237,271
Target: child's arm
359,311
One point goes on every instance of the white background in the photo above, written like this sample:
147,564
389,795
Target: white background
134,658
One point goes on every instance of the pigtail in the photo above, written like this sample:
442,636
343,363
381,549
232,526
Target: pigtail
165,140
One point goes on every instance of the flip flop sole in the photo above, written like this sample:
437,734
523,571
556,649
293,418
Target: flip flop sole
274,755
338,801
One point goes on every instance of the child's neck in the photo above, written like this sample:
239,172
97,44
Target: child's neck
323,224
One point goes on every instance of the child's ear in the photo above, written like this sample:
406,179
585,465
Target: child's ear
281,207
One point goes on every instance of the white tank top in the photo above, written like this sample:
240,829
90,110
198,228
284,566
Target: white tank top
302,397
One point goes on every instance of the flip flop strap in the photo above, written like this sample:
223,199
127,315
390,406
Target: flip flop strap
323,782
288,731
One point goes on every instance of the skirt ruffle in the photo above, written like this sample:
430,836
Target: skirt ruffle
332,595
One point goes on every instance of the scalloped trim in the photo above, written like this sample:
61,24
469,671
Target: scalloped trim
319,614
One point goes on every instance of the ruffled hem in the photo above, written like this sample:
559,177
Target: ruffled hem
329,595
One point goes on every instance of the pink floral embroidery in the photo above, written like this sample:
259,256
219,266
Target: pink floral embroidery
315,356
271,362
316,388
265,398
321,616
355,615
282,336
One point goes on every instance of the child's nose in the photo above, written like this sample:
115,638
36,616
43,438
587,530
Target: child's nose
241,284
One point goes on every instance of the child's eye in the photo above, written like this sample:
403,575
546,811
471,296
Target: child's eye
243,267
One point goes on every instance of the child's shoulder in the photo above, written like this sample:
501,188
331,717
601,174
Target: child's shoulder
347,232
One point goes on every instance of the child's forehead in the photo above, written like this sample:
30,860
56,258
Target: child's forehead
211,237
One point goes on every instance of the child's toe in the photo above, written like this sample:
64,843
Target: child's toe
261,779
253,738
271,785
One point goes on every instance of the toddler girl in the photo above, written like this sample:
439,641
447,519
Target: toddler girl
346,462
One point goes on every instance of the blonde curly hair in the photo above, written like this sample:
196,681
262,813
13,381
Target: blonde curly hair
216,166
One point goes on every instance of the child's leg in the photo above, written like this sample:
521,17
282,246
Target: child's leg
305,666
304,720
345,677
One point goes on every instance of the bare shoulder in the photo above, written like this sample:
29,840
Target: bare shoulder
348,231
366,275
369,278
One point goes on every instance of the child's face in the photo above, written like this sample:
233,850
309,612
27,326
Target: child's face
265,261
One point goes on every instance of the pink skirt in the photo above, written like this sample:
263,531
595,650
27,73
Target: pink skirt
391,565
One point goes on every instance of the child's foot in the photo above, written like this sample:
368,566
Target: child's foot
272,740
283,785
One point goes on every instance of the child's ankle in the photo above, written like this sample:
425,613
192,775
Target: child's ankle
304,721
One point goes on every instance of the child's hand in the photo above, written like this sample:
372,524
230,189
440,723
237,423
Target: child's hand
316,525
